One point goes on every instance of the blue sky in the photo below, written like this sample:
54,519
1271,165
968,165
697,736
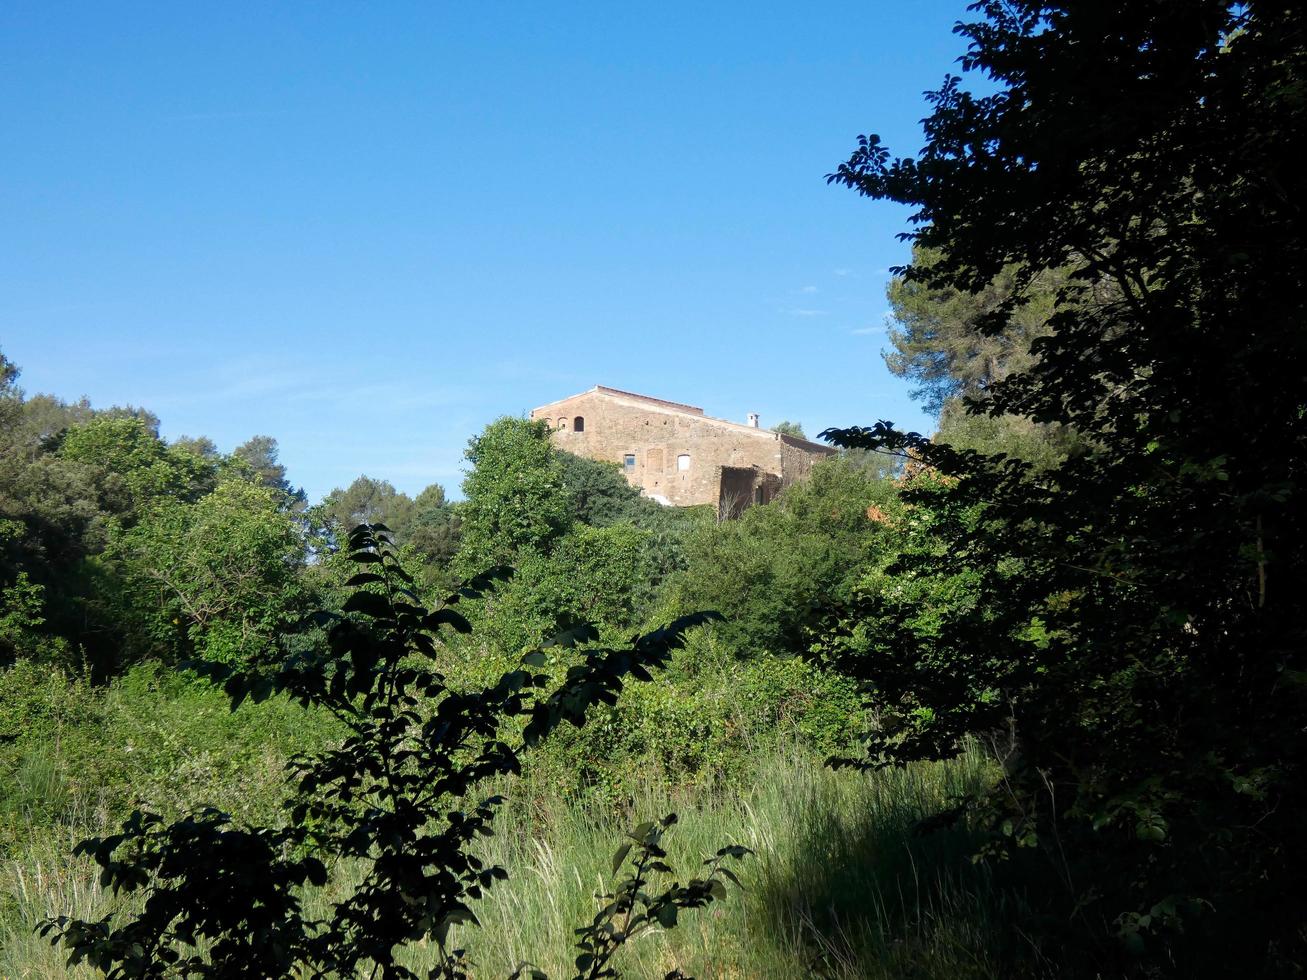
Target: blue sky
369,229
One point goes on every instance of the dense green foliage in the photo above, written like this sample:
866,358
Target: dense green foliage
259,458
623,563
942,338
73,755
427,523
515,494
770,571
75,486
939,336
1127,624
586,545
215,578
395,797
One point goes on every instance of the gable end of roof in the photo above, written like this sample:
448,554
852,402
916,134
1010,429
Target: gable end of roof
679,406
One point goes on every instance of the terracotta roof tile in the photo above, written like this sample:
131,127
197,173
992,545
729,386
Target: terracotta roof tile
693,409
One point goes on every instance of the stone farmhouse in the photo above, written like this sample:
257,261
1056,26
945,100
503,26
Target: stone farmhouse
677,455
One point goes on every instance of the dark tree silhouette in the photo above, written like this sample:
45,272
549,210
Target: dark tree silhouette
1132,620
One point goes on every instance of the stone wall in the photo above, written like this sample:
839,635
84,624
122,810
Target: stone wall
798,457
675,453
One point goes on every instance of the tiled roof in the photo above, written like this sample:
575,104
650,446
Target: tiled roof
693,409
697,411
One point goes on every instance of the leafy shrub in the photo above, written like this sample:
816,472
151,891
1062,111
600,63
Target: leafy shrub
516,499
22,618
590,575
702,722
770,570
154,735
216,577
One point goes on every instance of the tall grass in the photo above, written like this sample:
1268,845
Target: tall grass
840,885
39,877
74,760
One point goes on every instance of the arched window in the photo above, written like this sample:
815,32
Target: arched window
562,425
578,424
683,461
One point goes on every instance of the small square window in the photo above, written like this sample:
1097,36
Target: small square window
629,461
683,461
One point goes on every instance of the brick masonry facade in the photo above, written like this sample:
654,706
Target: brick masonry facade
675,453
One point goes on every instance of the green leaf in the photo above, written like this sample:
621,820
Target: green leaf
368,603
572,636
447,617
1151,831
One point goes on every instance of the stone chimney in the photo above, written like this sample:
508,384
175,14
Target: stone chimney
753,420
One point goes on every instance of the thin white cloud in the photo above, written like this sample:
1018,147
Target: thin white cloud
809,289
245,380
842,272
864,331
805,312
223,115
